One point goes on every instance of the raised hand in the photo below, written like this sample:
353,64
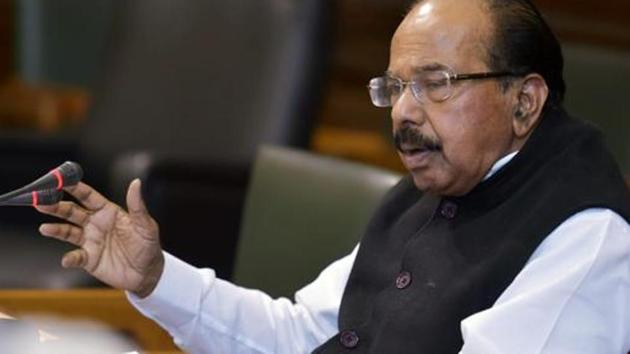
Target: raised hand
120,248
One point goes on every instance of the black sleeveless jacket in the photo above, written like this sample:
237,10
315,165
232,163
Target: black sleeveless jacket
426,263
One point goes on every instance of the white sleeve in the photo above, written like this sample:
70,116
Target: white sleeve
572,297
205,314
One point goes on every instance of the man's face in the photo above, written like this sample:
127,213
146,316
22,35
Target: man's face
471,130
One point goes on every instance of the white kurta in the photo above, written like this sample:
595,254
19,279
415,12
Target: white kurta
572,297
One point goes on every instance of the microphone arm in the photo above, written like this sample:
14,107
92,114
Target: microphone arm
35,198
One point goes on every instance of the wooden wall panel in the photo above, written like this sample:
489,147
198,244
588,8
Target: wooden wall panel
616,11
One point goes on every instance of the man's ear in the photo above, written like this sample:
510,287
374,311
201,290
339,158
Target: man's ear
531,97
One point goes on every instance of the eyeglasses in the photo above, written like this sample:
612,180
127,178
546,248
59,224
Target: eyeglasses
436,85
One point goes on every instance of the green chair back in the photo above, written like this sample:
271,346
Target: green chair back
302,212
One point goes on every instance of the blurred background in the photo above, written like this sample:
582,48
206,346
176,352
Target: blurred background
182,93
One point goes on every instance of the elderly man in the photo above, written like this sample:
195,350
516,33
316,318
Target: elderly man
509,236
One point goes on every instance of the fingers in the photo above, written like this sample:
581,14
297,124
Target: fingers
63,232
135,204
75,259
87,196
68,211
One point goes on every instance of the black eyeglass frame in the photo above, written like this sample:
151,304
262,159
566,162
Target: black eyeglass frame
481,76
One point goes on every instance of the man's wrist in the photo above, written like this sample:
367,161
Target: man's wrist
152,278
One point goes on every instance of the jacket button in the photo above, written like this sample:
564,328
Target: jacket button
348,338
448,209
403,280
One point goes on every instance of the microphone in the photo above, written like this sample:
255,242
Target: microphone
67,174
35,198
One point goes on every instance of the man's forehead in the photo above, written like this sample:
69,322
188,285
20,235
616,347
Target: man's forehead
456,8
440,32
443,16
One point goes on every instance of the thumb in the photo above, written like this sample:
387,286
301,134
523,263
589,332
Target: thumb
135,204
75,259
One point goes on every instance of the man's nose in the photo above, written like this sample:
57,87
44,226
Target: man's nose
407,109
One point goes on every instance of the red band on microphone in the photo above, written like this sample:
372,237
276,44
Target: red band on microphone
35,198
59,177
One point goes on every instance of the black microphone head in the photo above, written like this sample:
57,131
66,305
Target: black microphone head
71,172
67,174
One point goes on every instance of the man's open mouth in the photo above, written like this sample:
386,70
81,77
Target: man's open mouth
417,149
410,141
424,146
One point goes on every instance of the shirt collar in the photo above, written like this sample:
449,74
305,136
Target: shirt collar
499,164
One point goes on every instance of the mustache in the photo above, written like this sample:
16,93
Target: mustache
412,139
